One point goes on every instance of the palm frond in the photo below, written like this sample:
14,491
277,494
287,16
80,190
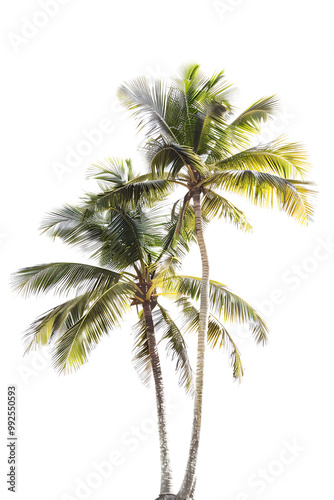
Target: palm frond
222,302
47,327
217,335
148,100
114,172
76,226
146,189
73,347
288,160
117,238
171,157
63,278
141,358
176,347
126,239
251,119
197,88
215,205
267,190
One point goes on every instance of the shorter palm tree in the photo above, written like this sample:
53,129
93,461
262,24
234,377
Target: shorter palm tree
138,261
126,244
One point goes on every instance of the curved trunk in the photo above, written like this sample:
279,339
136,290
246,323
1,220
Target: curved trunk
188,486
166,471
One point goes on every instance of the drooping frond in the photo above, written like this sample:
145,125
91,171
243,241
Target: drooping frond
176,347
72,348
146,189
266,190
76,226
179,232
141,358
63,278
288,160
222,302
168,156
215,205
217,335
47,327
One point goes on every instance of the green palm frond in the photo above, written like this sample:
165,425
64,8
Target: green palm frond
148,100
215,205
146,189
117,238
180,229
222,302
115,172
288,160
204,106
251,119
128,238
141,359
197,88
217,335
168,156
266,190
76,226
72,348
47,327
63,278
176,347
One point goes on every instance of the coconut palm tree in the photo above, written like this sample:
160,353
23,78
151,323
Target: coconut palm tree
125,242
137,265
193,140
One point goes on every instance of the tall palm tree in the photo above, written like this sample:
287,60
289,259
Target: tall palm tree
192,139
137,265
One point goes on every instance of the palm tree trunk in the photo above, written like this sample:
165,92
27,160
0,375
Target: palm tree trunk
188,486
166,471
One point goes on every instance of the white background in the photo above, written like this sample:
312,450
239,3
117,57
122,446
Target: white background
61,82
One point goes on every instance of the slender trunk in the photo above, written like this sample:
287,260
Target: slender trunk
187,489
166,471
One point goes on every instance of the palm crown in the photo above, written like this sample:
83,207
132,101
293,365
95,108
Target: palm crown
192,139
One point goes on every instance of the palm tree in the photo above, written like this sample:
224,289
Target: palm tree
125,242
193,140
137,265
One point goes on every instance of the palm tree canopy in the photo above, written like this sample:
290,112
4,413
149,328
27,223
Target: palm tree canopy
194,138
137,256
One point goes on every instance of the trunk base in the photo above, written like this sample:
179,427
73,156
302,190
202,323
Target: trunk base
166,496
169,496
